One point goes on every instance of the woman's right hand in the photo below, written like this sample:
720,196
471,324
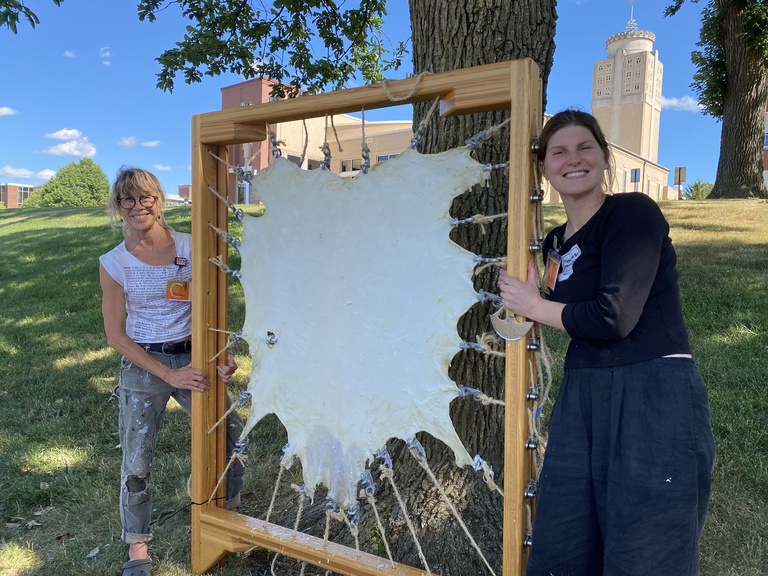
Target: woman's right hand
188,378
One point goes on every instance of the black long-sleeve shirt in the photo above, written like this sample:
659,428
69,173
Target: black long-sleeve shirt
618,278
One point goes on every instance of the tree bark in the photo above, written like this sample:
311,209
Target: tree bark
740,165
447,35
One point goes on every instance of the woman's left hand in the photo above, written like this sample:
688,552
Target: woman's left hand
520,297
226,369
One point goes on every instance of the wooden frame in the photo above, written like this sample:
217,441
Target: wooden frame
216,531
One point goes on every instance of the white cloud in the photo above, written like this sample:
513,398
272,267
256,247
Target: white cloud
17,173
131,141
80,148
75,144
684,104
162,167
105,53
6,111
65,134
68,54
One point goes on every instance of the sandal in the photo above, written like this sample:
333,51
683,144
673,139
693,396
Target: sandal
137,567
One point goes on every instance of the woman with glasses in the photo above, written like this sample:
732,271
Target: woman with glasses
145,283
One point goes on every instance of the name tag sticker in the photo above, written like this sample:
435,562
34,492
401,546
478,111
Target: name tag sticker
177,290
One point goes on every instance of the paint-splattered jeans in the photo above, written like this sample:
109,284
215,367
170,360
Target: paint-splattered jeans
143,399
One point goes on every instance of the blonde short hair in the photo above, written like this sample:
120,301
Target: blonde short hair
135,182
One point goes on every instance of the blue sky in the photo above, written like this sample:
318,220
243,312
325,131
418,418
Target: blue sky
82,84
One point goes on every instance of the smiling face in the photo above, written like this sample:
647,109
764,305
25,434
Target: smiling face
140,217
135,183
574,163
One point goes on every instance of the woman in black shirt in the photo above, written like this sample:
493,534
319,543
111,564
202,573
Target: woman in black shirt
627,474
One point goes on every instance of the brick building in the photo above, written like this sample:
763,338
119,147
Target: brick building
14,195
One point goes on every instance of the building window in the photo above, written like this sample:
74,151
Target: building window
385,157
629,74
24,192
765,132
607,78
351,165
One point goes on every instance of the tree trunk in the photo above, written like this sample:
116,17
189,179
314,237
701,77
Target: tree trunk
447,35
740,166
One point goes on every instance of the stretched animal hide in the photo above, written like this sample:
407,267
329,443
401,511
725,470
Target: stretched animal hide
353,290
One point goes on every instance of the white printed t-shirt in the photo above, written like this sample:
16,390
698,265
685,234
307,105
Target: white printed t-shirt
151,317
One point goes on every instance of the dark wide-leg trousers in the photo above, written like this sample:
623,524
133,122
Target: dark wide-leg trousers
627,474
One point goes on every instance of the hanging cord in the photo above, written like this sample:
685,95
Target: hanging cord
480,464
235,210
365,151
242,399
306,142
488,262
228,238
479,219
417,451
484,345
234,338
224,268
479,396
485,135
274,492
276,152
388,474
380,526
416,140
230,166
326,149
302,497
407,96
336,135
241,457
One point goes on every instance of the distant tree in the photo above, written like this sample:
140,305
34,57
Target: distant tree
12,10
77,184
698,189
732,84
2,206
250,40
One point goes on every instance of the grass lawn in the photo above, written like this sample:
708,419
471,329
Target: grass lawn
59,454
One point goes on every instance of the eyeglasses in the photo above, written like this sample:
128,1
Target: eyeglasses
128,202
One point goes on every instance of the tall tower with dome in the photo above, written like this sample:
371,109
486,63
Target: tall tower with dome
626,91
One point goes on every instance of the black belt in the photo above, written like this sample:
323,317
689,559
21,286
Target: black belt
169,348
